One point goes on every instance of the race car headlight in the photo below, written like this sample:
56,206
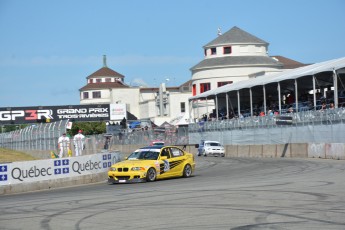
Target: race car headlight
138,169
112,169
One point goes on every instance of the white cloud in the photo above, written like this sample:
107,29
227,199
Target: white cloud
138,82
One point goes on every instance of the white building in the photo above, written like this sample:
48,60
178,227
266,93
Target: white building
231,57
106,86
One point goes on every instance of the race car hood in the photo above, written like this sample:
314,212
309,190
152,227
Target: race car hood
131,163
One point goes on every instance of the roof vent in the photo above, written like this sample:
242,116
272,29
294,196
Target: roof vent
104,60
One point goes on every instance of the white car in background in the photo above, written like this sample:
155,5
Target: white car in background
213,148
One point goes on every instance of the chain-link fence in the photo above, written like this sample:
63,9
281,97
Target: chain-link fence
311,117
325,126
176,136
308,126
43,136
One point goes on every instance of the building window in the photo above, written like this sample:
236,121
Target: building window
205,87
227,50
194,90
224,83
98,80
183,107
108,79
213,51
90,80
185,88
96,94
85,95
205,52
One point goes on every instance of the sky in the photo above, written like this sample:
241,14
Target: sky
48,48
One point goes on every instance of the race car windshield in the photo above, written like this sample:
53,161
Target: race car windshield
144,155
158,143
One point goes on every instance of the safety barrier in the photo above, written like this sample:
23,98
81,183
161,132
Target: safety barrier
52,173
334,151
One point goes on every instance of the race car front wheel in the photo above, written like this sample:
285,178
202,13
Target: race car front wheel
187,171
151,175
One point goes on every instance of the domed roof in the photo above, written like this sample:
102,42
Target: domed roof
105,72
235,36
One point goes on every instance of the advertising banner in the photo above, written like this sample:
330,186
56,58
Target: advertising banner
118,112
24,115
40,170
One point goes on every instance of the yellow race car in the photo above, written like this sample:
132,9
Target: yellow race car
152,163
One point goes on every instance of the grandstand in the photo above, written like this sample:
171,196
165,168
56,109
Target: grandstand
244,108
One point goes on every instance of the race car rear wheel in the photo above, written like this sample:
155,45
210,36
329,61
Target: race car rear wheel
187,171
151,175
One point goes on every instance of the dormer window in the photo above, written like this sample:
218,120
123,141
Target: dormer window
96,94
205,52
108,79
98,80
213,51
227,50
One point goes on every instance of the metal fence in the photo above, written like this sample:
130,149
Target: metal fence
323,117
43,136
307,126
178,136
325,126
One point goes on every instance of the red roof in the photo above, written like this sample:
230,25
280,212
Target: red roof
105,72
289,63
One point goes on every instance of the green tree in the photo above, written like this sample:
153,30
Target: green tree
9,128
89,128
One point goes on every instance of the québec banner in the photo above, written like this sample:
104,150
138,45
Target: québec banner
40,170
25,115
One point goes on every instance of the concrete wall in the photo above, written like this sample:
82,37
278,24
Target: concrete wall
296,150
334,151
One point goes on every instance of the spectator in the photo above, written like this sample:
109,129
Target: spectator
331,105
107,143
323,106
64,145
79,143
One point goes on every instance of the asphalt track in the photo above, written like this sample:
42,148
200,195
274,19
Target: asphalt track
224,193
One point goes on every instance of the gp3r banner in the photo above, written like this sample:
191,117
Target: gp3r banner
25,115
